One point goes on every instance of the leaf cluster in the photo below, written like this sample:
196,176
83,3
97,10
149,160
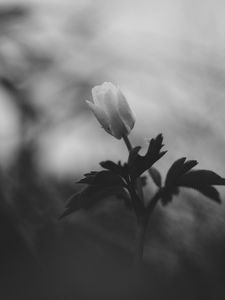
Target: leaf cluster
120,180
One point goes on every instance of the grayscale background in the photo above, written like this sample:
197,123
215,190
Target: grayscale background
168,57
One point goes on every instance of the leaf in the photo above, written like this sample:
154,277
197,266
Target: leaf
168,193
110,165
100,185
201,177
103,179
156,176
178,169
91,196
202,181
118,169
133,155
89,177
138,164
179,175
175,172
208,191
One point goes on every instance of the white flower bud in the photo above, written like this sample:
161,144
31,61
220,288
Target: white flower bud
112,110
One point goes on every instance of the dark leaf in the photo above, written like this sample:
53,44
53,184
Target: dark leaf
103,179
201,177
138,164
118,169
168,193
174,170
110,165
89,177
179,175
92,173
156,176
189,164
133,155
208,191
178,169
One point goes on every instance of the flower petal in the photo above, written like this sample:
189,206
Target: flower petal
116,124
100,116
114,109
99,92
125,111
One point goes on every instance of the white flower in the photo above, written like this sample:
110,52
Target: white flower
111,109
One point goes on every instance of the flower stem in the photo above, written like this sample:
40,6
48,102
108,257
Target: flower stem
142,226
153,202
140,239
142,213
138,201
138,182
128,143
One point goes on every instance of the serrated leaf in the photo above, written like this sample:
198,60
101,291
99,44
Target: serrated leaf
110,165
103,179
156,176
181,175
188,165
92,173
133,155
118,169
178,169
89,177
139,164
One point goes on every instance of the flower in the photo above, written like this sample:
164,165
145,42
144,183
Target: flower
112,110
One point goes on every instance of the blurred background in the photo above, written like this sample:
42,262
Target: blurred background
168,57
